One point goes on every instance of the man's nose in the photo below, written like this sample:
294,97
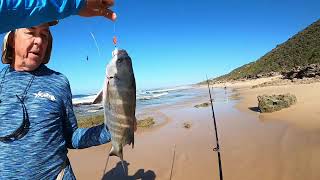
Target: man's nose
38,40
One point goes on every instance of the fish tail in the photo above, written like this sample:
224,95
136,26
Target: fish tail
116,152
119,153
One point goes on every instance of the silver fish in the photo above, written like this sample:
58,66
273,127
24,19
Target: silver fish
119,102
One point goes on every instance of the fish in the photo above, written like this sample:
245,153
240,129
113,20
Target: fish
118,97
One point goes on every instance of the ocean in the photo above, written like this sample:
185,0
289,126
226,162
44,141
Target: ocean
148,98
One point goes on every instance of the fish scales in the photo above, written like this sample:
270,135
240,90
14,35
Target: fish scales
119,101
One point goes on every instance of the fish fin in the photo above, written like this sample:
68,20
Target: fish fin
119,153
113,152
107,94
98,98
116,152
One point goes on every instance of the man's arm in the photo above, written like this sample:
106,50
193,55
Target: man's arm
26,13
16,14
79,138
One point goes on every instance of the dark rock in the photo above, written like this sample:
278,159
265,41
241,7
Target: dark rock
146,123
82,104
187,125
202,105
275,102
260,75
271,74
308,71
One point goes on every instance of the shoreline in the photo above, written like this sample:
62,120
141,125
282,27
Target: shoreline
305,89
268,146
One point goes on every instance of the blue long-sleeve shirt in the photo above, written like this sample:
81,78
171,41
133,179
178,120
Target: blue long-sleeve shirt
40,154
26,13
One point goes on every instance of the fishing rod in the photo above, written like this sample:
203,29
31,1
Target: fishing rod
174,155
217,148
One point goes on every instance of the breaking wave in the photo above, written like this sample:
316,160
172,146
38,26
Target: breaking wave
142,95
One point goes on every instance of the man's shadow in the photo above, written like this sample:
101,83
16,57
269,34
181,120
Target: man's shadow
118,173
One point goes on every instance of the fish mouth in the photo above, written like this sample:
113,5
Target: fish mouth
112,77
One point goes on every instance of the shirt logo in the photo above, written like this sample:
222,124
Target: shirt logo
46,95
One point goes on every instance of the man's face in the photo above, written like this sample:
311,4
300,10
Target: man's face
30,45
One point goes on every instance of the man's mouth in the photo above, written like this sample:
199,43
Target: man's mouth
35,53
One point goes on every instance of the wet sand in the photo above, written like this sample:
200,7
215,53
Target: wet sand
304,114
252,146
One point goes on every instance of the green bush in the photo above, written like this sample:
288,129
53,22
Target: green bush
299,50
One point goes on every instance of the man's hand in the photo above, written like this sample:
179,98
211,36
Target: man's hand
98,8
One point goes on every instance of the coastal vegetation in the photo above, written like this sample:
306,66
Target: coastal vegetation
300,50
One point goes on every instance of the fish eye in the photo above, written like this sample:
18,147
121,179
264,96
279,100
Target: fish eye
120,60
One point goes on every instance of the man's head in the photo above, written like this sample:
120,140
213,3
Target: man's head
25,49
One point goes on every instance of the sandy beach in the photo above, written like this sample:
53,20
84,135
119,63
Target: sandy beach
282,145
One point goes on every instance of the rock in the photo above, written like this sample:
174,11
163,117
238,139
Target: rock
82,104
255,86
146,123
202,105
260,75
275,102
294,80
308,71
271,74
187,125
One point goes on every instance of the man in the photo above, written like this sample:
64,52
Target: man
37,122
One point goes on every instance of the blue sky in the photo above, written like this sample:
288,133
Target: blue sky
176,42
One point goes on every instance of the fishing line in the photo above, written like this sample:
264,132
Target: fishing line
114,30
105,167
95,41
